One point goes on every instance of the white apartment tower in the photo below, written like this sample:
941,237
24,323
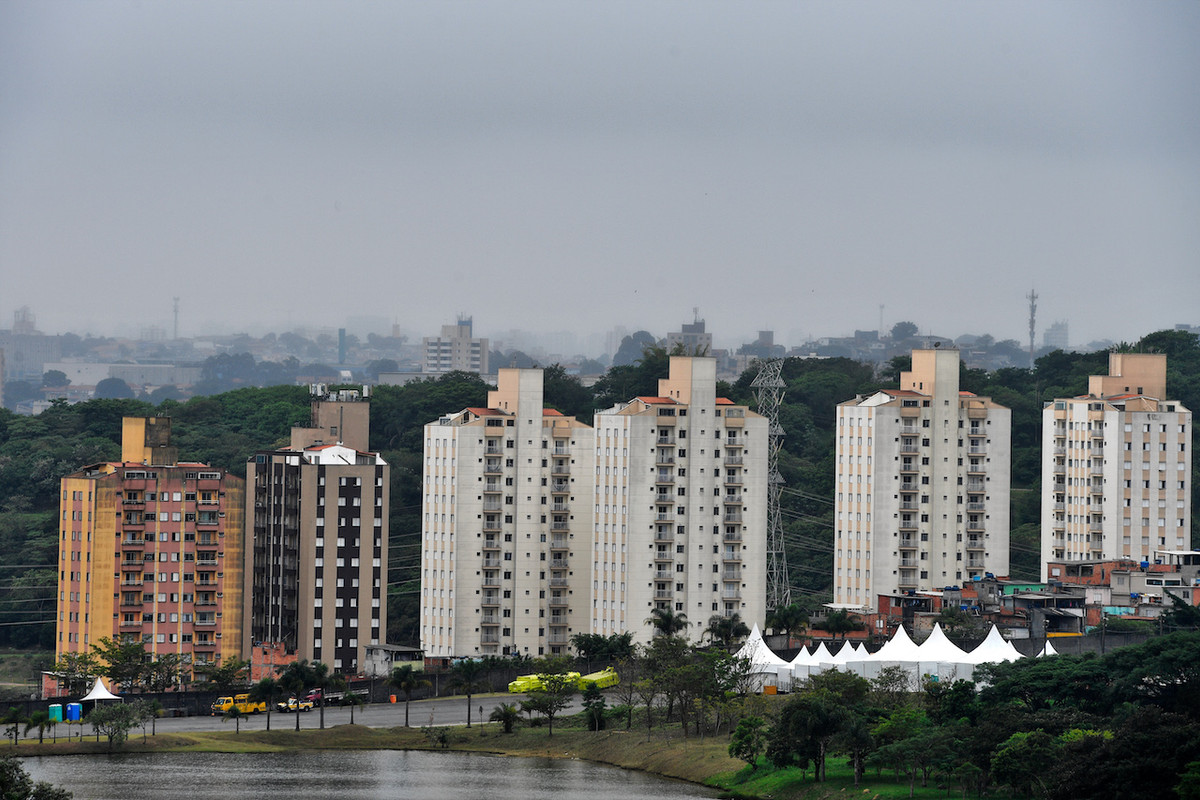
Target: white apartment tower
505,526
922,485
1116,467
680,506
537,527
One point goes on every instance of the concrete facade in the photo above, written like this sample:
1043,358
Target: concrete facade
455,350
922,485
1116,467
151,550
317,560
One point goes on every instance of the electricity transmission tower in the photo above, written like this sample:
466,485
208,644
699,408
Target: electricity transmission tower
768,393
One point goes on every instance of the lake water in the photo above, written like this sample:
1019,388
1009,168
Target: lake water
352,775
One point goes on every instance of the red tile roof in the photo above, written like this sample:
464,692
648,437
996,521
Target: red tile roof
725,401
550,412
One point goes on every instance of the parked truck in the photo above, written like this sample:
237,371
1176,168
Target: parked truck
295,704
243,703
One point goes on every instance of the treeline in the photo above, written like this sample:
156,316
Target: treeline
1122,725
225,429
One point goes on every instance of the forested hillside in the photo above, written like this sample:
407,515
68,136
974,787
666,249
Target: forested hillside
224,430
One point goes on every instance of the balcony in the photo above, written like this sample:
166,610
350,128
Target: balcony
907,579
492,487
1097,469
558,582
908,543
491,581
664,555
908,486
729,554
909,505
734,441
732,536
558,620
665,476
491,543
731,575
558,542
492,505
975,563
976,430
491,524
975,506
732,518
664,457
560,468
977,450
908,524
731,593
732,500
665,441
974,542
910,448
975,486
664,594
558,563
664,534
491,563
976,469
663,516
493,449
490,599
908,562
664,575
489,619
491,466
734,460
910,430
560,525
908,468
557,602
733,478
489,638
560,487
975,525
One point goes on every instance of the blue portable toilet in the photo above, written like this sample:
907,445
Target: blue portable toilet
74,712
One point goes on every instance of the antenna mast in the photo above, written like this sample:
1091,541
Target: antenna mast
1032,298
768,393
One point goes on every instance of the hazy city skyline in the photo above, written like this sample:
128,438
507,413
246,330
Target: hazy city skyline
577,167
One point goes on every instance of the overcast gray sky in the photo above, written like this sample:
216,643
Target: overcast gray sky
575,166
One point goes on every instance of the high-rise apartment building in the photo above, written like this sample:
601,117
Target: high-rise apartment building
1117,466
922,485
537,527
505,526
455,350
317,560
151,550
692,337
679,518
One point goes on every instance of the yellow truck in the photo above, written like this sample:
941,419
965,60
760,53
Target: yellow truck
243,703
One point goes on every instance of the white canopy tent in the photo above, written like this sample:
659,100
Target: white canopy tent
765,666
99,692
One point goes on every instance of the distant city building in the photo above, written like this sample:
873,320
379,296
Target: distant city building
692,337
150,551
316,570
455,350
1117,467
922,485
1057,336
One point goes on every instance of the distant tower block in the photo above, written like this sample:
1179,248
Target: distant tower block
1032,298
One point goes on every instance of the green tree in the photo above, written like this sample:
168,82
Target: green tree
787,620
667,622
903,331
14,719
55,379
726,630
77,671
124,662
507,714
267,690
165,672
40,720
113,389
296,678
229,674
748,740
553,697
15,783
406,679
114,721
594,707
466,676
237,715
839,623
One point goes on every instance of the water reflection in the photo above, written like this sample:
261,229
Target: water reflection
354,775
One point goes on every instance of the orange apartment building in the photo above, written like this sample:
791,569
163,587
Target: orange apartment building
151,549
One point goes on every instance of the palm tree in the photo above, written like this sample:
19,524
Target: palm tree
726,630
296,679
265,691
839,622
667,622
354,699
237,715
321,678
407,680
788,620
507,714
464,676
41,721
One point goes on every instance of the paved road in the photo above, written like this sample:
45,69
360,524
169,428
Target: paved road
438,711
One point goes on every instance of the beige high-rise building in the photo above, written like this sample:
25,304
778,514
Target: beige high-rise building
537,527
1117,466
455,350
680,506
922,485
316,571
505,526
